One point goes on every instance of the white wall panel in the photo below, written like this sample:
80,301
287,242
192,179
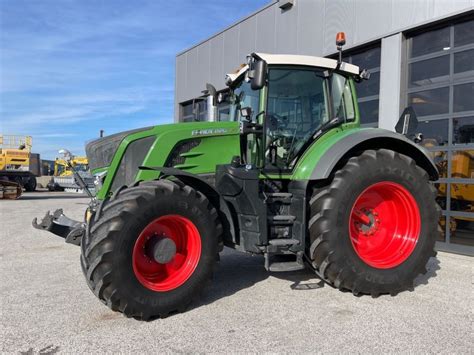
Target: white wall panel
286,29
441,7
372,17
266,34
204,63
247,37
180,88
193,78
310,27
408,12
231,49
217,60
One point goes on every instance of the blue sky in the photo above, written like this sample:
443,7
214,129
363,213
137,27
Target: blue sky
69,68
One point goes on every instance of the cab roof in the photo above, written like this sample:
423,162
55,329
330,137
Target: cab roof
302,60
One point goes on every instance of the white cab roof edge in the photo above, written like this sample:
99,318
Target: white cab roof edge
234,76
303,60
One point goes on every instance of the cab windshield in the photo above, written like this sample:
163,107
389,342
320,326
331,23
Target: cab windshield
301,102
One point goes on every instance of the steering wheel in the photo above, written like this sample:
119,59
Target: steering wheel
275,121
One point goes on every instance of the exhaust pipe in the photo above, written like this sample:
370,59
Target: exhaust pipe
211,101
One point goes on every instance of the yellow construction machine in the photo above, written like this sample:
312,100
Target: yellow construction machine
18,166
63,175
462,195
462,167
61,168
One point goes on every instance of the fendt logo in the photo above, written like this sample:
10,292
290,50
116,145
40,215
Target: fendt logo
205,132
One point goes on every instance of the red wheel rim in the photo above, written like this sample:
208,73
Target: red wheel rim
167,276
384,225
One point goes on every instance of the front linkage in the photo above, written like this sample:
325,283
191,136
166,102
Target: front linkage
65,227
57,222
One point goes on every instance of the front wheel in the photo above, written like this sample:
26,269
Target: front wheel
373,229
151,250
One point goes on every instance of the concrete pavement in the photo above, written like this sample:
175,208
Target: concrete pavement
46,304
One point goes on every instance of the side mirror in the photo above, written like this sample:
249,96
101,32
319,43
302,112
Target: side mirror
407,123
66,154
246,112
258,74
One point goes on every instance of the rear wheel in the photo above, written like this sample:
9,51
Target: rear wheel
373,229
150,251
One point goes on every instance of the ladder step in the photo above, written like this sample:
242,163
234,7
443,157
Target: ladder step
280,194
284,197
281,219
286,266
283,241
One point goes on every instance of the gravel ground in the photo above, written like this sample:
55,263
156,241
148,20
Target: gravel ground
46,305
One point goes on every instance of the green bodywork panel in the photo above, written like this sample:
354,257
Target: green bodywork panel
219,142
308,162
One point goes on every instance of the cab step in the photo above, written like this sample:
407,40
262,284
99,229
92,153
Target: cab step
283,241
285,266
284,197
281,219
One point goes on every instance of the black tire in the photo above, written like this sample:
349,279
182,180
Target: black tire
106,249
18,180
30,186
330,249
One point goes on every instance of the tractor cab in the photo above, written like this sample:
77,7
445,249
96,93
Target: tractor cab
285,102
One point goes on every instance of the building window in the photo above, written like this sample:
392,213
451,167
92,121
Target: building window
440,88
367,90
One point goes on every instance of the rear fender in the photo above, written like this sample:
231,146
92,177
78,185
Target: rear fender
361,140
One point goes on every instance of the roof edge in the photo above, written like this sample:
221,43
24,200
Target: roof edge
273,2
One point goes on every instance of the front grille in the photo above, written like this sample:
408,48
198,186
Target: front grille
100,152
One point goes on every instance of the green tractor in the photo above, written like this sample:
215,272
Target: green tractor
291,176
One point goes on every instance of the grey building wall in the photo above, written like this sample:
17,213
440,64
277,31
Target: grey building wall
309,28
